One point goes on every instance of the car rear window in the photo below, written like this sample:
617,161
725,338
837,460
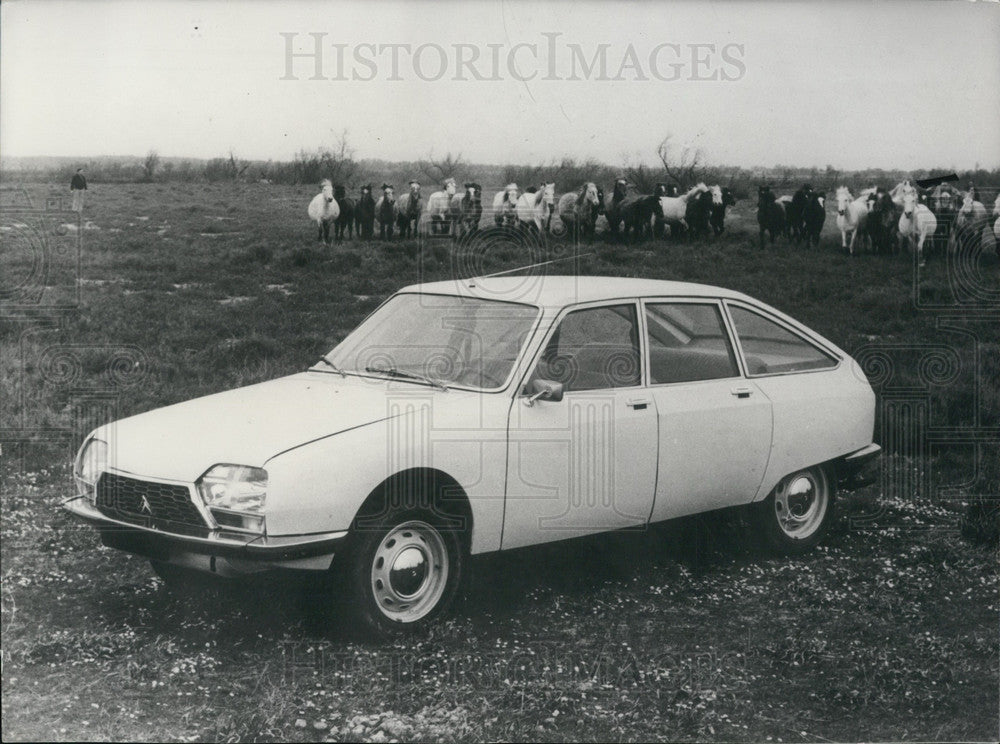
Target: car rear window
770,348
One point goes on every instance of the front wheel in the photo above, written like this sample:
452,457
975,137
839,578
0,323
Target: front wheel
405,570
797,513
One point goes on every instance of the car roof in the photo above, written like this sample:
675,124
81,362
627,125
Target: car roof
559,291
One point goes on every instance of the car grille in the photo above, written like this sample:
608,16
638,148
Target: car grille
148,504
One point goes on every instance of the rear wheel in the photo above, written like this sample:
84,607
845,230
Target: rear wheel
405,570
797,513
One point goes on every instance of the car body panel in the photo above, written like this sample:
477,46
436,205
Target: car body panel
245,426
713,445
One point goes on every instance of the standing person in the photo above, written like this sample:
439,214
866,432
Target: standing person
76,187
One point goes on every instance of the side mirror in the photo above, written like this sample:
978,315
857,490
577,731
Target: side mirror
544,390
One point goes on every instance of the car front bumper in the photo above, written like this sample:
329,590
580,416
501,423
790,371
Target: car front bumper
221,552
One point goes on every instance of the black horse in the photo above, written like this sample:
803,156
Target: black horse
385,212
410,205
345,220
698,214
796,211
638,213
614,211
471,210
364,213
770,214
813,217
883,221
718,217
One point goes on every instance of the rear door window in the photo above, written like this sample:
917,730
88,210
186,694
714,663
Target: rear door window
688,342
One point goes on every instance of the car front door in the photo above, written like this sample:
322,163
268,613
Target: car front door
714,423
585,463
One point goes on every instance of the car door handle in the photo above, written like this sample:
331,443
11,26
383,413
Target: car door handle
638,403
742,392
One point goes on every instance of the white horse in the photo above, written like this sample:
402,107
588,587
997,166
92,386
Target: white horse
504,203
440,209
852,216
916,223
578,209
900,190
536,208
970,221
674,208
323,210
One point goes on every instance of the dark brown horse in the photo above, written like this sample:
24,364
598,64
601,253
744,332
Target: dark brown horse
345,221
613,211
385,211
770,214
364,213
471,210
409,208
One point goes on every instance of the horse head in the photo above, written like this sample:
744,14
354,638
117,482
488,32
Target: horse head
727,197
844,199
716,195
600,200
909,203
764,196
548,197
326,187
621,190
339,192
450,186
589,194
388,192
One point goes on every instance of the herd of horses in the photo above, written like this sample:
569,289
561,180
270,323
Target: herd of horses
450,212
884,220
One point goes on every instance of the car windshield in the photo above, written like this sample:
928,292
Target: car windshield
440,339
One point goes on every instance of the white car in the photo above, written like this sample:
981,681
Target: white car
478,415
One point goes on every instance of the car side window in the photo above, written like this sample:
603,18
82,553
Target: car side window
592,349
770,348
688,342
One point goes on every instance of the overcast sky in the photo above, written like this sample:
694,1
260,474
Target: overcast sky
885,84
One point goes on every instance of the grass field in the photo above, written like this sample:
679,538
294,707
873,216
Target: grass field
887,632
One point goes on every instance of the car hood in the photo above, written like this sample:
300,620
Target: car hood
246,426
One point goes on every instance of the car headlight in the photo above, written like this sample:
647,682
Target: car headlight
235,494
90,463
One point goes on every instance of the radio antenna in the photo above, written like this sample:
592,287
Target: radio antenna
532,266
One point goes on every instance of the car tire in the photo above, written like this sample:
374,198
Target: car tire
796,514
404,571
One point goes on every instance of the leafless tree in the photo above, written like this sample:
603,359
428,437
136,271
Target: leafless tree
684,167
438,169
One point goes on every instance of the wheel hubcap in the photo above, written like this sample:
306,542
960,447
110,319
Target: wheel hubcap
800,503
409,572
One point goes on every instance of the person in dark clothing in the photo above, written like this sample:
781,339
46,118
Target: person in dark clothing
76,187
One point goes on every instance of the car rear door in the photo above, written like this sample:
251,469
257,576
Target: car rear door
714,423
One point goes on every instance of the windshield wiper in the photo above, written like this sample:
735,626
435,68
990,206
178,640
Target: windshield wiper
333,366
393,372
